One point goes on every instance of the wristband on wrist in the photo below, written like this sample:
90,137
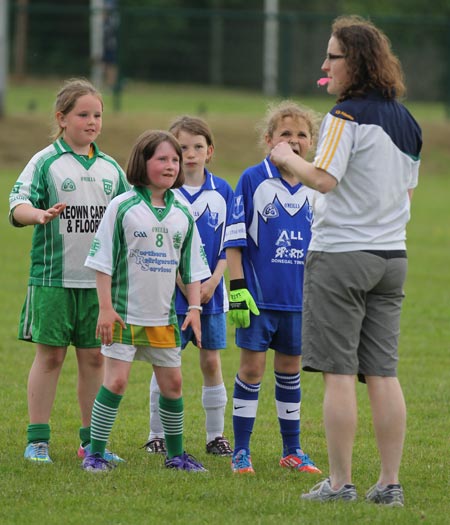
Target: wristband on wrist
237,284
195,307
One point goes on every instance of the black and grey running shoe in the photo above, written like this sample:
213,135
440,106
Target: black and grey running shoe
390,495
322,491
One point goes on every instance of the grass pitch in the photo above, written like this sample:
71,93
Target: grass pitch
142,491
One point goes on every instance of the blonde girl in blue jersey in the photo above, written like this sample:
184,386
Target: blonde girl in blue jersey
267,238
208,197
63,192
146,238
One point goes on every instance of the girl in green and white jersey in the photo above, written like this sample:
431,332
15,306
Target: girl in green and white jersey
64,191
145,238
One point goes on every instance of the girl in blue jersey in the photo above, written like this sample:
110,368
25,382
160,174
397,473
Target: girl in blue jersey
208,198
63,191
366,167
268,233
146,238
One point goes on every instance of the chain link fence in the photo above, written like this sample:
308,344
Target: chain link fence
216,47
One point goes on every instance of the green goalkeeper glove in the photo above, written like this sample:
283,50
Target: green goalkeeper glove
241,304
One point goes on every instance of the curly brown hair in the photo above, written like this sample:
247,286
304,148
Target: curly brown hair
370,60
277,111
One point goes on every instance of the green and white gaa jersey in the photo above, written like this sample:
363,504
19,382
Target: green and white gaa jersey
86,186
142,248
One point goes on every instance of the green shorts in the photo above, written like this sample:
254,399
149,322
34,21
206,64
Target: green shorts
60,316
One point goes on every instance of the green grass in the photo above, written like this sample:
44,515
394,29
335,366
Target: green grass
38,96
142,491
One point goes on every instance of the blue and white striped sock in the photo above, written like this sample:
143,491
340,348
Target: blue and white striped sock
245,406
288,400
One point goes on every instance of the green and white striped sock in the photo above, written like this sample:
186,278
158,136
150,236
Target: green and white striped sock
104,413
171,412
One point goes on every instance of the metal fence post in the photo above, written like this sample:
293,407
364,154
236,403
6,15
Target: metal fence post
96,38
270,57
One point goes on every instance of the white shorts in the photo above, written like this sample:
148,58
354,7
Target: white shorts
167,357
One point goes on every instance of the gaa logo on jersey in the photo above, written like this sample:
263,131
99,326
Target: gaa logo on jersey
107,186
68,185
95,246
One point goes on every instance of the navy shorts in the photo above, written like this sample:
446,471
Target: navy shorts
276,329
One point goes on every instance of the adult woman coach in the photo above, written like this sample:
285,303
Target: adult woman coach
366,167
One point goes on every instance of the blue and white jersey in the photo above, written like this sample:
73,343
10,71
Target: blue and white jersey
271,221
371,145
209,207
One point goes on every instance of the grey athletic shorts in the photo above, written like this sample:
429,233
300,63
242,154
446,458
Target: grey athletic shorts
351,312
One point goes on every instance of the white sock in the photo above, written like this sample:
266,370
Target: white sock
214,400
156,429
